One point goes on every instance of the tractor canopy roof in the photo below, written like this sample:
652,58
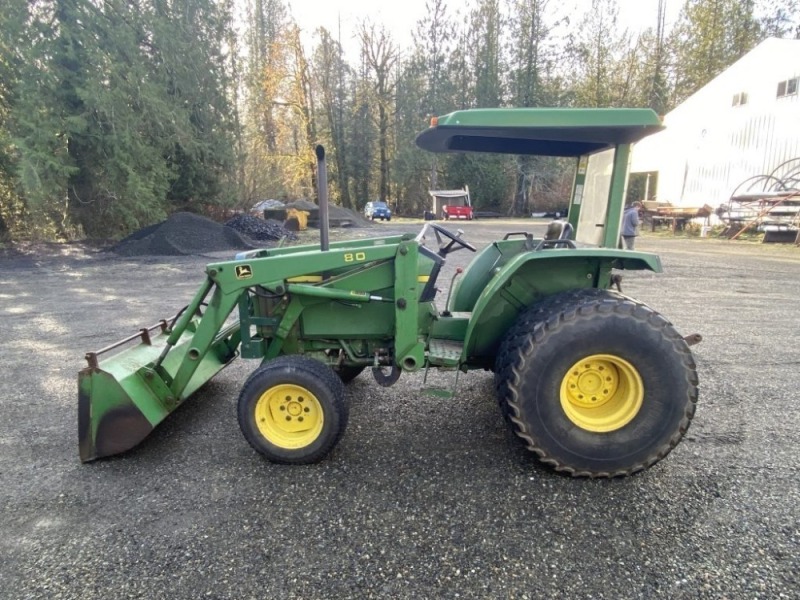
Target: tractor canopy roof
539,131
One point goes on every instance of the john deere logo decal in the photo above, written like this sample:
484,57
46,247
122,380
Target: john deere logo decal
243,272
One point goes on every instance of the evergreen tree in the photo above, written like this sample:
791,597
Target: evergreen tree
235,99
432,45
529,52
601,59
187,42
489,177
413,169
461,73
266,20
486,55
530,60
425,89
332,75
779,18
710,36
363,134
49,120
380,56
12,20
655,64
122,109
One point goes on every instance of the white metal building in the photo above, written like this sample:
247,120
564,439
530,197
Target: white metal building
744,123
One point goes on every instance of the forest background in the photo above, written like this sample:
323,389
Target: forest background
116,113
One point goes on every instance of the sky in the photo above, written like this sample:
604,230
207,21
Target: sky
400,16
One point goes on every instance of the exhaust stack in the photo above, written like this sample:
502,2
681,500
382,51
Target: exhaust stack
322,193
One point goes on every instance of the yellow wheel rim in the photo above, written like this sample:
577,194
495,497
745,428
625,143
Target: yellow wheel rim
289,416
601,393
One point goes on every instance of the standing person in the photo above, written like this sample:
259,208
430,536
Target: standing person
630,225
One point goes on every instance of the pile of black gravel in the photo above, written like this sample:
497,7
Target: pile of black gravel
260,229
183,234
186,233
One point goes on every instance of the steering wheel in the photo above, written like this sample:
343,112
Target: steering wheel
445,246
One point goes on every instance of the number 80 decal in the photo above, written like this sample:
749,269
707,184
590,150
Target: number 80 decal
350,257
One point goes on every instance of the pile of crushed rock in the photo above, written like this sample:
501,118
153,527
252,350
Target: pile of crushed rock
188,234
264,230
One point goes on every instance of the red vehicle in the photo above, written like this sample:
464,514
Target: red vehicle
452,204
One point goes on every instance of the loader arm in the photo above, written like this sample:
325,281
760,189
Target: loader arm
228,280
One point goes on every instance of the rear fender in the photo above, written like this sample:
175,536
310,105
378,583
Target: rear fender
532,276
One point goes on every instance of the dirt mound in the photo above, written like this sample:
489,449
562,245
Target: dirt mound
183,234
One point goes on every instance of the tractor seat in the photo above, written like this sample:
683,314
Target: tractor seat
558,230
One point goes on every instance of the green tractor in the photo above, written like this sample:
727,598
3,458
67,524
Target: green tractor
593,382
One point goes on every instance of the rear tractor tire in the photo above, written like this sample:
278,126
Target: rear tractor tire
596,384
292,410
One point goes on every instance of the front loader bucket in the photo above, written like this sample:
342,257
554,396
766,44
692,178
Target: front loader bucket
122,398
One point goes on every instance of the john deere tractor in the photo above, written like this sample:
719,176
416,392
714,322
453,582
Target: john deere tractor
593,382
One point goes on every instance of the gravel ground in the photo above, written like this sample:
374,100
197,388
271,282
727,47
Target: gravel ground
423,497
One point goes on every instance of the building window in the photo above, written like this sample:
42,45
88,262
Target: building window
739,99
788,87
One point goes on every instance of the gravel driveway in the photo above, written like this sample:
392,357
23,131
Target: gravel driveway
423,497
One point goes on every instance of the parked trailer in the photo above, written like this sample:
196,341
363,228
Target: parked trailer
452,204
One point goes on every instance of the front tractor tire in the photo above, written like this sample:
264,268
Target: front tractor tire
596,384
292,410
